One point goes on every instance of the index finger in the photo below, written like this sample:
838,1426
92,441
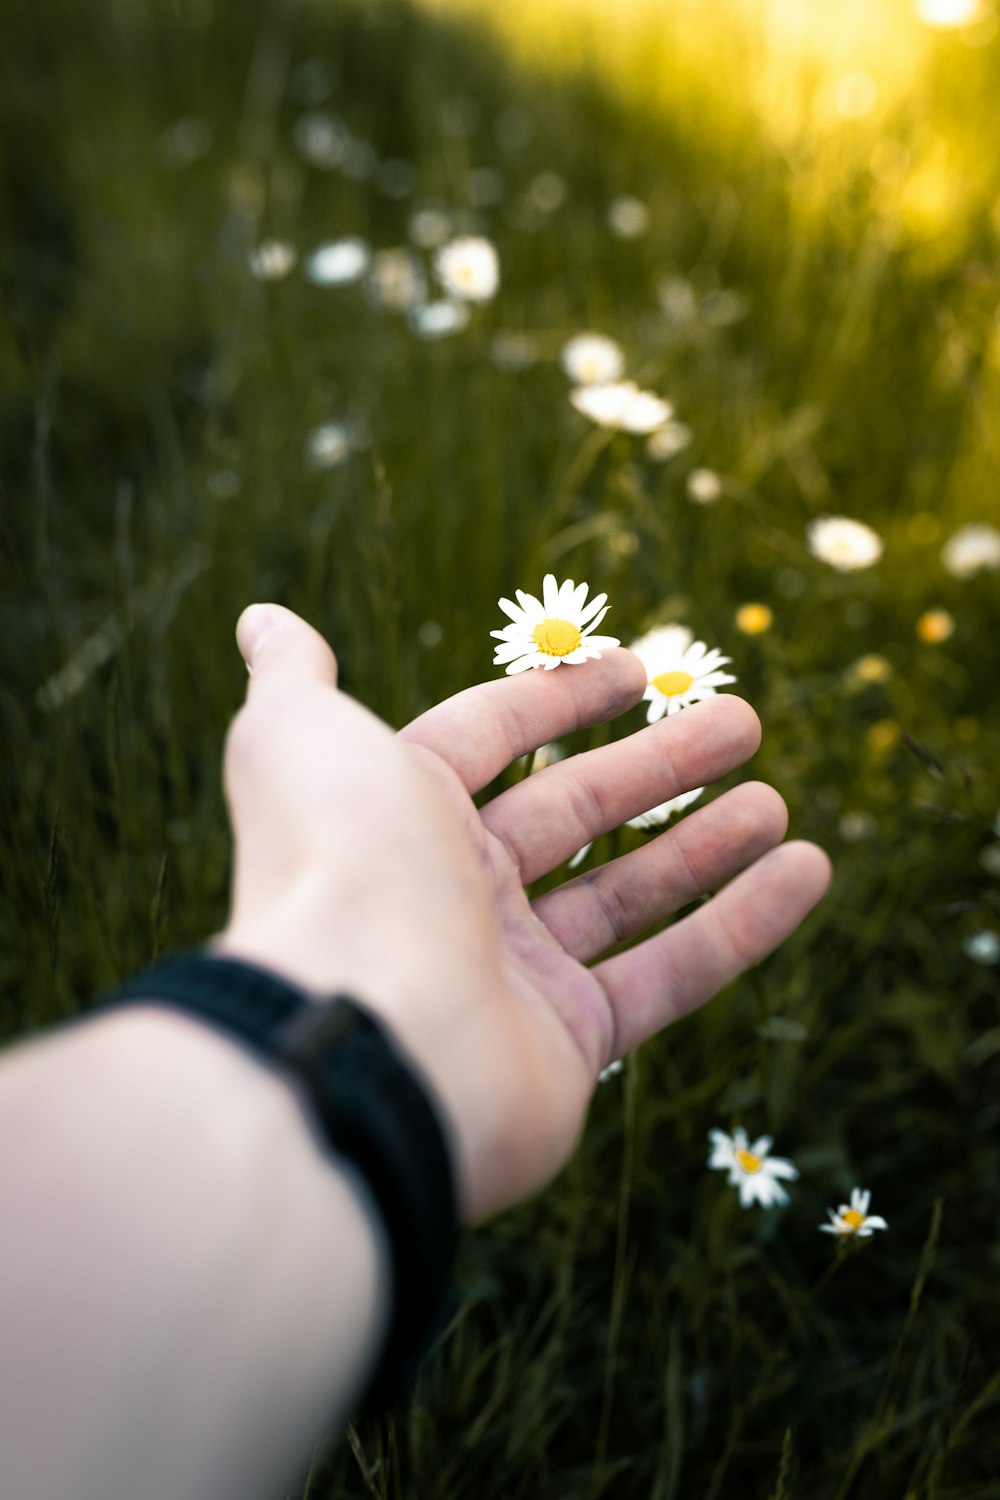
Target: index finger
481,730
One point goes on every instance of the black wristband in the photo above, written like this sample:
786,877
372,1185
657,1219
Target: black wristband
371,1107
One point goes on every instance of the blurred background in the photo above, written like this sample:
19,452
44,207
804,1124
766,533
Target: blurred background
234,366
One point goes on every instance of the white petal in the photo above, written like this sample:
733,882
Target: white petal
779,1166
721,1154
565,597
578,599
596,620
593,608
516,614
550,595
523,665
762,1145
532,607
657,706
860,1200
510,652
876,1222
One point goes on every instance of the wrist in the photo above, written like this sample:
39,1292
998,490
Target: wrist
220,1257
367,1103
464,1034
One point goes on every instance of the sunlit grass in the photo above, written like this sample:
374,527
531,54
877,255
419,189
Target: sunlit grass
830,84
193,418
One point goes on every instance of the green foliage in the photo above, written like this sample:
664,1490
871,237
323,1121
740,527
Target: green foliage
631,1331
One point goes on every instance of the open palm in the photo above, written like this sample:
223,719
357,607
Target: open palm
362,864
552,947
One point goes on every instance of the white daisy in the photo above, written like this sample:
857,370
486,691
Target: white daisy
435,320
328,445
545,756
628,217
272,260
845,544
429,227
983,947
592,359
666,442
853,1220
679,669
321,140
856,826
704,486
621,404
397,281
657,816
971,550
339,262
468,268
555,629
750,1167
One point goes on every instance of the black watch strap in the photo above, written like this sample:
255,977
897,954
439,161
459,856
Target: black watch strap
371,1107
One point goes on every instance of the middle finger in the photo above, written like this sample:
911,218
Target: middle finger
546,818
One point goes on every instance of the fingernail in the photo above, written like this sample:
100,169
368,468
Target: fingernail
255,624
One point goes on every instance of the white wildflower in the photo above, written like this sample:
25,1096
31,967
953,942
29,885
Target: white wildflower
553,630
592,359
622,405
845,544
852,1220
750,1167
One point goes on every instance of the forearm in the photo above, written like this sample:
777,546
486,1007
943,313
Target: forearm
191,1290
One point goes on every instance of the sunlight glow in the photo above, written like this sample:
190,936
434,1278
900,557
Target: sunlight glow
948,12
825,83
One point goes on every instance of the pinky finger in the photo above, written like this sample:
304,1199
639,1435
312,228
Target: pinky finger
668,975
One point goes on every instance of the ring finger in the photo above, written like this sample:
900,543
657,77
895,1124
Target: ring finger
598,910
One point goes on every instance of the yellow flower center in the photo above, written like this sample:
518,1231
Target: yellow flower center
935,626
754,619
671,684
748,1161
556,637
852,1218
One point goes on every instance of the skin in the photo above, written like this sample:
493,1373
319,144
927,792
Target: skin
193,1285
507,1007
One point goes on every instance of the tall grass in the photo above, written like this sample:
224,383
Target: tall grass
632,1330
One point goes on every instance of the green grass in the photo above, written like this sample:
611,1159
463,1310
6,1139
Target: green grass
630,1331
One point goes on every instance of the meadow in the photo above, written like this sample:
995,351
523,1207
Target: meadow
790,228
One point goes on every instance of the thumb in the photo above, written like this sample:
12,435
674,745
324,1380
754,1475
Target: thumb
279,646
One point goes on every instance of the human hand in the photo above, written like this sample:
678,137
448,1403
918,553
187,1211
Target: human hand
362,865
